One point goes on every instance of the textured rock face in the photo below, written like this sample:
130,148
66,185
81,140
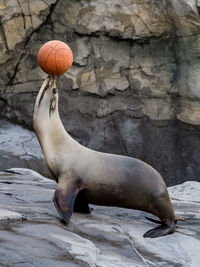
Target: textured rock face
108,237
134,86
20,148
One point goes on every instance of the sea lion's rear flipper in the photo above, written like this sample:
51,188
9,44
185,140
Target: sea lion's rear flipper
153,220
178,218
64,201
165,229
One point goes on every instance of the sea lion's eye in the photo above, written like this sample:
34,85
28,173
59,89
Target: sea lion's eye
54,91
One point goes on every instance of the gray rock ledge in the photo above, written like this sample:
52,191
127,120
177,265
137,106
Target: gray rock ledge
109,237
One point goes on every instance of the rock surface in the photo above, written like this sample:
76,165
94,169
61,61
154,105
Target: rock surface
135,75
19,147
109,237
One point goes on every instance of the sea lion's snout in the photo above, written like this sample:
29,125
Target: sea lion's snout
54,91
47,97
52,81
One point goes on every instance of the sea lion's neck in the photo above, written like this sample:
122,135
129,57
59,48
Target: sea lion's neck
50,131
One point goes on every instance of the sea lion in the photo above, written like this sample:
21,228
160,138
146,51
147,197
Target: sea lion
85,176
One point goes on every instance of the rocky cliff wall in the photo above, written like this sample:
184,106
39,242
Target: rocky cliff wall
134,87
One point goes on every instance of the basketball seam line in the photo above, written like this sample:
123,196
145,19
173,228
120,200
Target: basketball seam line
49,55
45,51
56,63
53,48
57,51
62,56
47,58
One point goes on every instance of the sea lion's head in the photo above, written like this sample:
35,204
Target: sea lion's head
47,99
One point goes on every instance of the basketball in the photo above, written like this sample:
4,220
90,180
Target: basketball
55,57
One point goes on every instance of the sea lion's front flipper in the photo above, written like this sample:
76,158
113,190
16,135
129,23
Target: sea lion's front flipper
165,229
64,201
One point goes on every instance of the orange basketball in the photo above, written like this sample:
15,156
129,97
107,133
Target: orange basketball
55,57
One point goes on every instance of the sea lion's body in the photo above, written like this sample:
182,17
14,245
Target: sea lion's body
86,176
114,180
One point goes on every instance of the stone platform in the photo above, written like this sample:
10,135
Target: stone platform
32,234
